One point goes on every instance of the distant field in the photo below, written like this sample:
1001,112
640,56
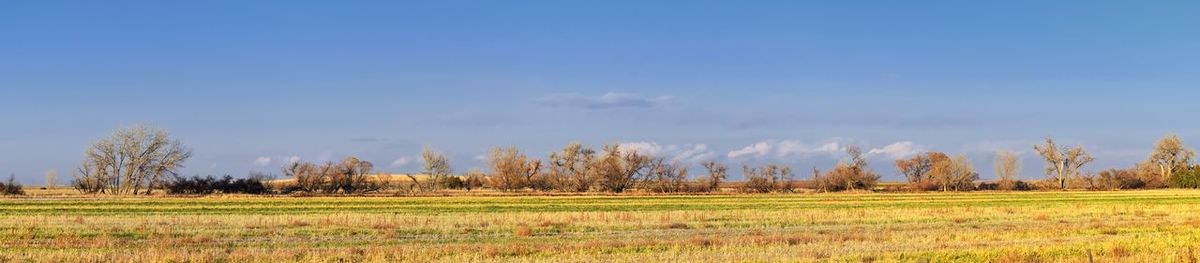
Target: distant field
1000,227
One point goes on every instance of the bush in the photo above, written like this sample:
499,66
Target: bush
758,184
1117,179
453,182
1016,186
1187,178
209,185
844,177
12,187
767,179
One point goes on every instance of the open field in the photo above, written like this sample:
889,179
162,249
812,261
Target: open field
1002,227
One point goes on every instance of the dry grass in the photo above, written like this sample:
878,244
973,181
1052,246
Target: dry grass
1134,226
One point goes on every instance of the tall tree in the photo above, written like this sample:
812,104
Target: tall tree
353,176
437,167
571,166
1062,161
665,177
132,160
618,171
1171,156
917,169
850,174
51,179
956,173
1008,169
716,173
511,169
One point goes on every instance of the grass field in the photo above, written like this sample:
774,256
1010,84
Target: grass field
977,227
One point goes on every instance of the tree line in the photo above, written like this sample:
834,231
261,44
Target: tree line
140,159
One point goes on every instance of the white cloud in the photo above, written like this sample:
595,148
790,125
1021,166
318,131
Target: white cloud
687,153
796,149
608,100
262,161
291,159
788,149
792,148
400,162
695,154
897,150
645,148
757,149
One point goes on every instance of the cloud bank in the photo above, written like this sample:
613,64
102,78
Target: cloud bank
606,101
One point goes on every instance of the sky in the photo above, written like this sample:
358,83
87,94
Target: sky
252,85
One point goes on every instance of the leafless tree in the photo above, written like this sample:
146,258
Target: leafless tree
716,174
51,179
1062,162
437,167
1008,169
665,177
618,171
956,173
349,176
570,168
473,179
918,169
1170,155
307,176
768,178
352,176
819,182
854,173
511,169
132,161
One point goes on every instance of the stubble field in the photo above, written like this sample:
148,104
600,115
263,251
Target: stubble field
1125,226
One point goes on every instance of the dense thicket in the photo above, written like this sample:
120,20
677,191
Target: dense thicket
211,185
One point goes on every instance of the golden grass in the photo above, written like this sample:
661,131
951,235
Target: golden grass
1135,226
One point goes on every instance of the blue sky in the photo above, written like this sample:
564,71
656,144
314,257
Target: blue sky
251,85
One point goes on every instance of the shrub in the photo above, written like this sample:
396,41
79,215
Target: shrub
209,185
1186,178
12,187
1016,186
453,182
848,175
768,178
1116,179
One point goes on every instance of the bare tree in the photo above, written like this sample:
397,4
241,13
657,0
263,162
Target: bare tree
664,177
473,179
768,178
133,160
1062,161
511,169
353,176
1008,169
956,173
819,182
306,175
437,167
617,171
854,173
716,173
51,179
918,169
571,168
1170,155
